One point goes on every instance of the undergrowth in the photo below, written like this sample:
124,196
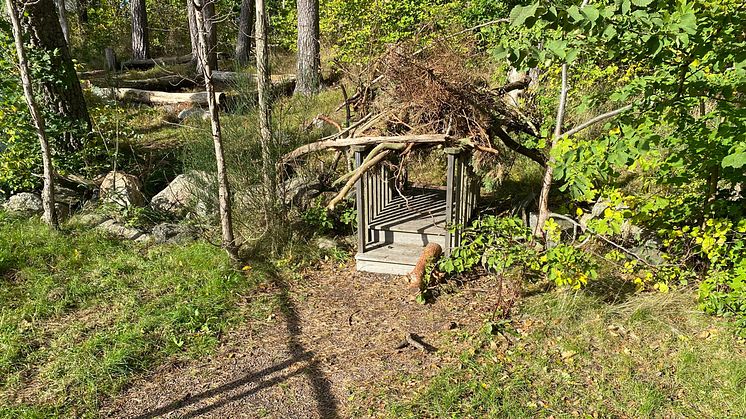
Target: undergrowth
81,315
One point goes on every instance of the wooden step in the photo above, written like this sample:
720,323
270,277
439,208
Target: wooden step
389,258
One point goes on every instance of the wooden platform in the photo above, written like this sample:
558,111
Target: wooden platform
400,231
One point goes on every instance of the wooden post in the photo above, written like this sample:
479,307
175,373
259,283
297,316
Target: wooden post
451,153
360,192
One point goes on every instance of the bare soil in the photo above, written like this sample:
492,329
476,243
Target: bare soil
330,351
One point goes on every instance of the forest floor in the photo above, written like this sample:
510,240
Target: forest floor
330,350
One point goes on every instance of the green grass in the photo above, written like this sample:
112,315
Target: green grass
81,315
653,356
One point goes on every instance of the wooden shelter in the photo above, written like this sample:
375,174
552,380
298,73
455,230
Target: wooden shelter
395,224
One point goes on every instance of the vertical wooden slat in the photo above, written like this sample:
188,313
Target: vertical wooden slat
450,178
362,225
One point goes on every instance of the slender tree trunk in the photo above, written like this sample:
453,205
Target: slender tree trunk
47,195
62,12
546,184
243,40
193,34
140,43
211,28
263,90
308,78
224,192
61,95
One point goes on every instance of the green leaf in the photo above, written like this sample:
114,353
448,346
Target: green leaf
590,12
519,14
641,3
736,160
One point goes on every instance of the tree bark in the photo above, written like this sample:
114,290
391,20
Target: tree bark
47,195
224,193
546,183
263,90
243,40
211,34
62,14
309,59
61,95
193,35
140,43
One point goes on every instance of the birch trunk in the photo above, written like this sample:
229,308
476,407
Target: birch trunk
546,184
224,194
47,195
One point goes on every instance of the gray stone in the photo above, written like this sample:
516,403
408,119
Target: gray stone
122,189
67,196
90,220
325,243
188,193
174,233
25,203
115,229
192,112
300,191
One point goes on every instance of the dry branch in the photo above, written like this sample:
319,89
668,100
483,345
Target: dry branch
357,174
145,64
347,142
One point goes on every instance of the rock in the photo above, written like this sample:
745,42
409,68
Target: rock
115,229
187,193
122,189
300,191
192,112
325,243
67,196
174,233
144,239
90,220
25,203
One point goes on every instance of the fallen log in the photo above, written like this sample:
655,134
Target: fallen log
144,64
347,142
430,254
155,97
163,83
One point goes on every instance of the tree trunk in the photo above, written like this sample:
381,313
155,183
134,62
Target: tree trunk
309,58
193,35
211,34
224,194
243,41
47,195
62,12
62,95
263,90
140,44
546,184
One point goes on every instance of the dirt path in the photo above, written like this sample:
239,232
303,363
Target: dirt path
330,352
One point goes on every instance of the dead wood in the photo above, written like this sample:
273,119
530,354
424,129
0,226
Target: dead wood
164,83
429,255
414,341
152,97
357,174
347,142
144,64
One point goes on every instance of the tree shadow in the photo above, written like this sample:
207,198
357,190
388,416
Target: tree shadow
326,403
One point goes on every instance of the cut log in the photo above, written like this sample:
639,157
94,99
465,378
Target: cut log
347,142
430,254
154,97
145,64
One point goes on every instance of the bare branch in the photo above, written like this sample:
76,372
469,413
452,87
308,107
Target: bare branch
596,120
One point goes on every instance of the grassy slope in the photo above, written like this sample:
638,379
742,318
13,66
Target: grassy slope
574,355
80,315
